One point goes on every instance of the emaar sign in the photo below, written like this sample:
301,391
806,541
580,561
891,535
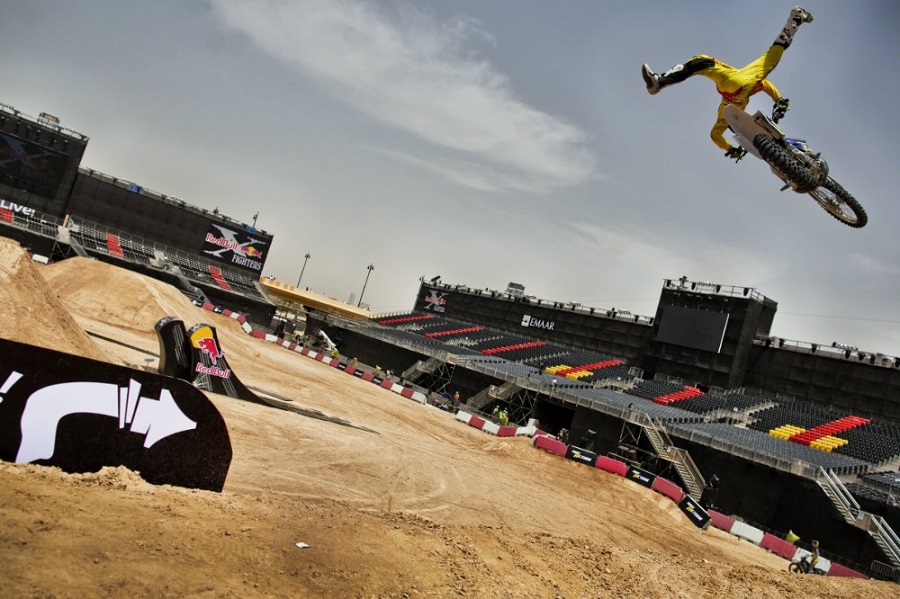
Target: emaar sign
530,321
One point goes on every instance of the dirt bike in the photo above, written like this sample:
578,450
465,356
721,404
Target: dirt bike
795,163
803,567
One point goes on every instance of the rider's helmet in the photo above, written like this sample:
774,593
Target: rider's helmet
815,543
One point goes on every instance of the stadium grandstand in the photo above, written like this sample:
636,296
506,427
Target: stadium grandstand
801,436
57,209
798,436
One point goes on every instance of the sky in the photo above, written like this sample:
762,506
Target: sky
491,142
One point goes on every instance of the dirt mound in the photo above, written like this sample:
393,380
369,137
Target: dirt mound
410,502
128,307
129,300
32,312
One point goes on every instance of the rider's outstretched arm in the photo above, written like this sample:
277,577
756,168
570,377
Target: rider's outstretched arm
771,90
717,133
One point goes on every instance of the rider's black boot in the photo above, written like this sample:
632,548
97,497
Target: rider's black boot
657,81
677,74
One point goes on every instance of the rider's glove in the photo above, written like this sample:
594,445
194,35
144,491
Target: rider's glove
736,153
779,109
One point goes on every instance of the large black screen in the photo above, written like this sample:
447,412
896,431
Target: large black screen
689,327
27,165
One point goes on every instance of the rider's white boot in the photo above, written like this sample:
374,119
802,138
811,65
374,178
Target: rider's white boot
656,81
798,16
651,79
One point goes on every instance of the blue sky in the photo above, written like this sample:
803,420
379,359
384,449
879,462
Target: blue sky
490,142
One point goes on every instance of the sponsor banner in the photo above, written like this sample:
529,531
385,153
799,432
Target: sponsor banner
241,249
530,321
640,476
581,455
28,162
9,210
80,415
694,512
433,300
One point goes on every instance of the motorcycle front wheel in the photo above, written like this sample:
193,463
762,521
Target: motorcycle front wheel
835,200
780,159
795,568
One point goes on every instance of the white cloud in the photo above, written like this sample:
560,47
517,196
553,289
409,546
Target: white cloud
405,68
635,249
875,266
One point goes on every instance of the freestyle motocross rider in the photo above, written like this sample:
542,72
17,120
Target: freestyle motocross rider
735,85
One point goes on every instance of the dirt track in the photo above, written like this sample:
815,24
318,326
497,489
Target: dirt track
423,506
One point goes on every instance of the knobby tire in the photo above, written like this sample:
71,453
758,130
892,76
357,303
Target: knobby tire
833,198
837,202
781,159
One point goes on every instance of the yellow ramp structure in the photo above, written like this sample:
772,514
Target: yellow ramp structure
314,301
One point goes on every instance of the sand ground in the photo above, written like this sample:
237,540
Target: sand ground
404,501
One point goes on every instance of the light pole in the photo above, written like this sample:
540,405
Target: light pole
305,258
370,268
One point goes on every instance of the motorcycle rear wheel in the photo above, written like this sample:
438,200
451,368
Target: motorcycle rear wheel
835,200
780,159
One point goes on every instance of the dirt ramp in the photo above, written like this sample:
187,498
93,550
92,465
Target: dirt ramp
130,305
129,300
33,313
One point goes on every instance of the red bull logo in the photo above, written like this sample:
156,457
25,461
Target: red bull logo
252,252
209,347
204,340
213,371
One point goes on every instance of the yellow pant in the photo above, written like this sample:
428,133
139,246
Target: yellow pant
737,85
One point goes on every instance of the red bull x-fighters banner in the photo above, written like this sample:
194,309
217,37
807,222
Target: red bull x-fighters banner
240,248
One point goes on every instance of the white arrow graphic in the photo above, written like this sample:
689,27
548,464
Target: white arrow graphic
160,418
154,418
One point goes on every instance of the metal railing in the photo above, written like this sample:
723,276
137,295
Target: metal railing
849,508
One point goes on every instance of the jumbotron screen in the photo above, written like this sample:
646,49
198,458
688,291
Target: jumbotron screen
689,327
29,165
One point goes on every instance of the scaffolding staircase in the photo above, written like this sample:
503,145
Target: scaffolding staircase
850,511
655,431
434,374
78,248
488,395
412,373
